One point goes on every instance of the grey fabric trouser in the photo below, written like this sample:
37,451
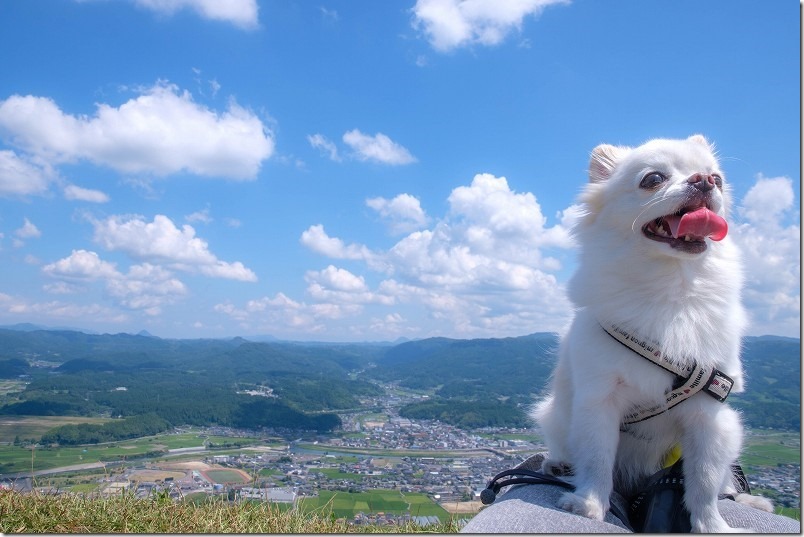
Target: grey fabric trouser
532,509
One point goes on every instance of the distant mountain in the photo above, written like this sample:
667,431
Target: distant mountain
514,370
145,333
475,367
773,382
473,382
262,337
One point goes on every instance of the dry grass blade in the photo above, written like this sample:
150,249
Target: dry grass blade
68,513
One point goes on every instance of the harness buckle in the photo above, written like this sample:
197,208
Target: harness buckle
719,385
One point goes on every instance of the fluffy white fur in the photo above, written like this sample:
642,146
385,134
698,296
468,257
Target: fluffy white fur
688,302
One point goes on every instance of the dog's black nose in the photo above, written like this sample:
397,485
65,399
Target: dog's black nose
703,182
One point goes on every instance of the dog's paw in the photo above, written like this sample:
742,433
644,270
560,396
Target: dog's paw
757,502
580,505
556,468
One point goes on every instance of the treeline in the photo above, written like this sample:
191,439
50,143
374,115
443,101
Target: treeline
178,398
252,414
130,380
91,433
467,414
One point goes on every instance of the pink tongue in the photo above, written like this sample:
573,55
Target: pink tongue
698,223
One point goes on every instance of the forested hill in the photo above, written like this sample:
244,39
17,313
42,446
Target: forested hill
485,381
472,383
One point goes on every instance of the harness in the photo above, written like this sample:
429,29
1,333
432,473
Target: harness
690,379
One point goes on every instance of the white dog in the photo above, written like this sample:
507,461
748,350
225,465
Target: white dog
657,266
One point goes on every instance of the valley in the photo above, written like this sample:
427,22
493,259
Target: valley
364,427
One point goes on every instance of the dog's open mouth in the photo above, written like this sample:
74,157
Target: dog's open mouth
687,229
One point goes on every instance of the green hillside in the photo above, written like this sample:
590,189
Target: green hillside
471,383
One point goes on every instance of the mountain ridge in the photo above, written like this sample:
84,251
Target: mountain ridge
471,382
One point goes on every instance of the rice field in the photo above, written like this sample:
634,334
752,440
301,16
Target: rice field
348,504
770,449
26,427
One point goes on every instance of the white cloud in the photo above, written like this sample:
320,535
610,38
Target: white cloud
199,216
485,268
403,213
325,145
145,287
770,241
379,148
339,286
161,241
161,132
21,308
81,265
28,231
339,279
317,240
449,24
280,312
19,176
76,193
241,13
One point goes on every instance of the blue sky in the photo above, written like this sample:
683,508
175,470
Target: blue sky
362,170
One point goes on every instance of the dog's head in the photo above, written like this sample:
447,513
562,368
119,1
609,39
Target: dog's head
669,195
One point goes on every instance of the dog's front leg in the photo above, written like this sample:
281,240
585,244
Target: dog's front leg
593,444
710,442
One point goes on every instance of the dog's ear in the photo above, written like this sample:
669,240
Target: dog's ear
604,160
700,139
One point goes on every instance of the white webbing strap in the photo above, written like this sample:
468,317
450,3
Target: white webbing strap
647,349
696,377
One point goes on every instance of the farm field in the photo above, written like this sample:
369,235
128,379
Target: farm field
15,459
771,448
226,476
348,504
27,427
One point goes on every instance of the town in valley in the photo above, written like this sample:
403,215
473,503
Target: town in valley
375,450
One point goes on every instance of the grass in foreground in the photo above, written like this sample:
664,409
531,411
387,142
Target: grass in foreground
41,513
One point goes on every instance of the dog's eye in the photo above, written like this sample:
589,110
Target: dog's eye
718,180
652,180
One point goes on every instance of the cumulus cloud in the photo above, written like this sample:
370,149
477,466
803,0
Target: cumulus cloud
450,24
161,132
770,240
241,13
403,213
22,234
161,241
21,177
28,231
145,287
282,312
339,286
316,239
81,265
76,193
487,267
378,148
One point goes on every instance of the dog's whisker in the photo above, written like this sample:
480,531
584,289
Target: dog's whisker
648,205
